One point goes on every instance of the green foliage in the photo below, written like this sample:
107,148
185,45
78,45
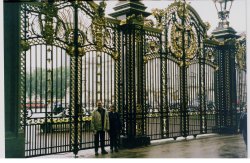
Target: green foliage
36,85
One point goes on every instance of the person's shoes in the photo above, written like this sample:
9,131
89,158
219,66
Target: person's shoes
104,152
116,150
96,153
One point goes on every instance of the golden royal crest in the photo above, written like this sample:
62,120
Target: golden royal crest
190,43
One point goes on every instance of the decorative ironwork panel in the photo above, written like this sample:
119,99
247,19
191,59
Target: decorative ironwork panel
241,73
173,98
211,53
152,95
184,78
68,61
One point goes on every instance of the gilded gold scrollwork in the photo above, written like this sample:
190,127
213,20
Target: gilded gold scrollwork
145,59
115,55
158,14
153,47
70,50
240,55
138,128
98,26
180,63
133,19
190,43
148,23
138,108
81,51
182,40
182,10
47,21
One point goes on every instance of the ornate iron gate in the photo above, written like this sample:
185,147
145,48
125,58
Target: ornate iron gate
181,88
164,79
69,61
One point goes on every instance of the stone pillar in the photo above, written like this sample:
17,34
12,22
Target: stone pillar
14,138
226,76
132,15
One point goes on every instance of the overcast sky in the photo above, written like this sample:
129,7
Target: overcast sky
205,8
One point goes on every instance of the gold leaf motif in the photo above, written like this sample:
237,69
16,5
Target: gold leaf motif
133,19
48,21
24,45
98,26
70,50
180,63
145,59
81,51
148,23
240,55
182,10
188,64
138,108
158,14
123,22
115,55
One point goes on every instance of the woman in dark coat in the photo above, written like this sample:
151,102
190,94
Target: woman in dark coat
115,127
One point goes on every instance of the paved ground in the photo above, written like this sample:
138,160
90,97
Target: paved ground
204,146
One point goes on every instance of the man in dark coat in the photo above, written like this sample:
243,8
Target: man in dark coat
243,126
115,127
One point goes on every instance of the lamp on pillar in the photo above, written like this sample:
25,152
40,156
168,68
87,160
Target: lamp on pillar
223,8
223,31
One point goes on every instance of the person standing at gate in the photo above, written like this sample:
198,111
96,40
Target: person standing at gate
243,126
100,124
115,127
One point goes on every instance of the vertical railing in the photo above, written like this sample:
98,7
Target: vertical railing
183,76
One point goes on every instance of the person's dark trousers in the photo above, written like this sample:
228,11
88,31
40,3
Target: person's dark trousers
113,140
101,135
244,134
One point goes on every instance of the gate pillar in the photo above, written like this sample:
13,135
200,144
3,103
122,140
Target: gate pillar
226,78
14,136
132,14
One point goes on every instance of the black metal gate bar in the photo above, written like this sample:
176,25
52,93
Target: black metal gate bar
183,76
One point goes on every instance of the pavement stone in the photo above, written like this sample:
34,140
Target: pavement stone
203,146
